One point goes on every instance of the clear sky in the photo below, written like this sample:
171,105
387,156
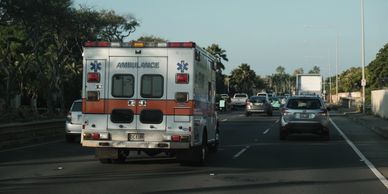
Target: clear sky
265,33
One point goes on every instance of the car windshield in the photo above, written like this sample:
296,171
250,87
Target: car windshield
77,107
304,103
257,99
240,96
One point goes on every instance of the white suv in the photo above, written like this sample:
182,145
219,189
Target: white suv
74,121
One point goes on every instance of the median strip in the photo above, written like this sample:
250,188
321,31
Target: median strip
241,152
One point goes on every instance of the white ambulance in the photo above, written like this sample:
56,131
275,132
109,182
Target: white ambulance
150,97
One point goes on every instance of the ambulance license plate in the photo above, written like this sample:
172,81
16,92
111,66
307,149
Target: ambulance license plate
135,136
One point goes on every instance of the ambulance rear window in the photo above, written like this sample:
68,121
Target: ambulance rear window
151,116
121,116
151,86
122,85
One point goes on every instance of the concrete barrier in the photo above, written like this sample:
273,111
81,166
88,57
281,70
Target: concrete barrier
19,134
380,103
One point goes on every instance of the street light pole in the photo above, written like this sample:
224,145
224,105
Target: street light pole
336,69
330,83
363,81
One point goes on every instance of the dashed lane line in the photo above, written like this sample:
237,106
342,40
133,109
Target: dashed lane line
241,152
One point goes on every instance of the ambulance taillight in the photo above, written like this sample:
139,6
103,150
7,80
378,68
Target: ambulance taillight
94,77
182,78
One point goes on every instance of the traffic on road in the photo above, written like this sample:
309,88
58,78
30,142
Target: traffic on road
251,159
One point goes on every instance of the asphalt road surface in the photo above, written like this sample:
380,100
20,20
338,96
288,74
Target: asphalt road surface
251,159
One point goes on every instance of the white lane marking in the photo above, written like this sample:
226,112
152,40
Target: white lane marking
277,121
362,157
241,152
266,131
223,120
30,146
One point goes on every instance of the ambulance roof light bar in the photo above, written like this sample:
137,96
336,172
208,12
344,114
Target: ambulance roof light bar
139,44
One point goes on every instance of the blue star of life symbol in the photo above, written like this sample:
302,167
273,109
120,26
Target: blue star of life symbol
95,66
182,66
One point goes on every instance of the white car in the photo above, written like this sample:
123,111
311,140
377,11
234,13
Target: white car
74,121
239,99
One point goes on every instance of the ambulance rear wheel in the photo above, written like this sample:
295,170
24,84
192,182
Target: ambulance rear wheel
121,156
200,152
214,146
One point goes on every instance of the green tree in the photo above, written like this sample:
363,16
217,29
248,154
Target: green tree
350,80
242,79
298,71
315,70
151,39
377,70
41,46
220,55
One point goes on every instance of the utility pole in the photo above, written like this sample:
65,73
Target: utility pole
363,81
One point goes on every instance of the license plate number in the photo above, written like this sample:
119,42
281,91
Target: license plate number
136,136
304,116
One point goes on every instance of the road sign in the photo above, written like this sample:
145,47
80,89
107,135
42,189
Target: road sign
363,82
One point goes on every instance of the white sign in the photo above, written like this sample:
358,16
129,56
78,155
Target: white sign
363,82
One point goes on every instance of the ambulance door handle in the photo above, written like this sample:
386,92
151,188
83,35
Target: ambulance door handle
142,103
131,103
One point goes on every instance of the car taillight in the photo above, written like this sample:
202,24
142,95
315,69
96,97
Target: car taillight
284,111
323,112
68,118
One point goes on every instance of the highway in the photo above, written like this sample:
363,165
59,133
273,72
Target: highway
251,159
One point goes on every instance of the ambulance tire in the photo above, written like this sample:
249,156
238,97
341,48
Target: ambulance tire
200,152
121,157
196,156
214,146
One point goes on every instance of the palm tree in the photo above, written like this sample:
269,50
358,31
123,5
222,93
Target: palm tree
220,54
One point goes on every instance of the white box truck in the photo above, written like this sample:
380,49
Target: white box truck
308,84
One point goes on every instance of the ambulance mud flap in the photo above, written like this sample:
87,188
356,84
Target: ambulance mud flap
107,153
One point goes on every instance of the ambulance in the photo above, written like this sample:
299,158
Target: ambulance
151,98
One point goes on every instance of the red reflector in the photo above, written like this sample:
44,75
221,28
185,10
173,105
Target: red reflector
182,78
176,138
103,44
94,77
181,44
96,44
95,136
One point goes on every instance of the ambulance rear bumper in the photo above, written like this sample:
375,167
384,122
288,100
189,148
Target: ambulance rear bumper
136,145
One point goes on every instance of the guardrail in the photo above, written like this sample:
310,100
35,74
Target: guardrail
13,135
